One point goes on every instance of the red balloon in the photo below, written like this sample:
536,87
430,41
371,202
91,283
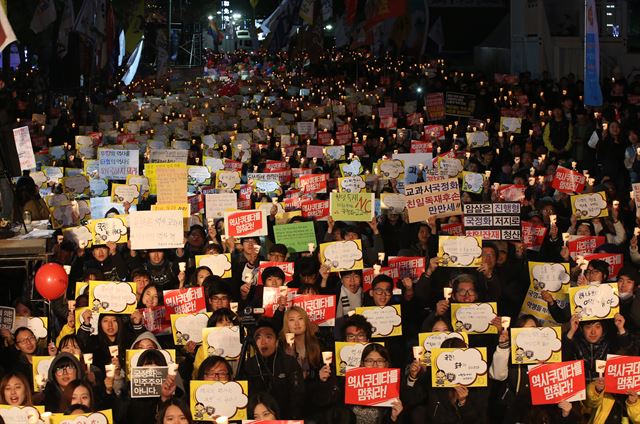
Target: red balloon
51,281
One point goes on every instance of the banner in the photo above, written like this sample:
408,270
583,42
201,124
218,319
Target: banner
320,308
474,318
462,251
536,344
554,383
451,367
622,373
567,181
435,198
492,221
372,386
592,91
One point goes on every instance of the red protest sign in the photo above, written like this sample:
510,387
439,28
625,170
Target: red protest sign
343,137
414,119
156,320
324,138
584,245
453,229
286,267
270,297
368,274
313,183
275,166
568,181
321,308
408,266
613,259
435,106
185,301
316,209
533,235
433,131
232,165
418,146
511,192
622,373
245,223
388,122
554,383
372,386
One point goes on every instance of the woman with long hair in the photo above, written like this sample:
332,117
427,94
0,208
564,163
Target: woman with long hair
14,390
305,346
77,392
174,411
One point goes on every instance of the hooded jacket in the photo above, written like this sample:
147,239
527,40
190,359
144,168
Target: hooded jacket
53,391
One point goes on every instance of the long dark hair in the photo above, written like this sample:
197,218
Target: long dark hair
163,406
267,400
375,347
67,394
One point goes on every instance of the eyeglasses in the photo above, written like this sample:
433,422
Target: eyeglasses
64,369
469,292
590,271
219,298
355,337
217,375
375,362
380,292
29,339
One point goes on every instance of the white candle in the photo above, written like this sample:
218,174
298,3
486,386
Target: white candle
327,357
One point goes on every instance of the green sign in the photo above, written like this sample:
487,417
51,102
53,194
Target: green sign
296,236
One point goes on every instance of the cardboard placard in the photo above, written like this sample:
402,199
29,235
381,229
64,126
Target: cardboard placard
24,148
99,417
372,386
357,207
433,340
210,399
188,327
222,341
116,164
550,276
156,229
594,301
108,230
216,204
474,318
219,265
109,297
460,251
536,344
435,198
342,255
386,320
533,235
459,366
590,205
554,383
296,236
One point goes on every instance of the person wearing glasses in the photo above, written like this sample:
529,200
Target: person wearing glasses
19,356
375,355
215,368
64,369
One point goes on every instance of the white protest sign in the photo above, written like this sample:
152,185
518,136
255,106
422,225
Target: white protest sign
116,164
188,327
342,255
473,317
211,399
466,367
222,341
386,321
536,344
595,301
156,230
168,155
24,148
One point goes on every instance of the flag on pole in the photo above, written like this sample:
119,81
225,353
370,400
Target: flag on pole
66,25
6,32
437,34
132,63
592,91
44,16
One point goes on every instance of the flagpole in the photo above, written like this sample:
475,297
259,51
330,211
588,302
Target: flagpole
584,47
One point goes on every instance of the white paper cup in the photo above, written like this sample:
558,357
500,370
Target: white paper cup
182,266
600,366
376,269
222,420
234,307
447,291
418,351
113,350
505,322
311,247
289,337
381,256
67,269
111,370
88,359
327,357
173,369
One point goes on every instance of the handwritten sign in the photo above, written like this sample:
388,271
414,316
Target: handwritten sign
171,184
492,221
116,164
352,206
219,265
595,301
472,182
222,341
320,308
510,124
129,193
567,181
459,366
21,414
622,373
216,204
211,399
372,386
146,382
296,236
554,383
550,276
108,230
386,320
354,184
187,300
462,251
249,223
435,198
349,355
536,344
188,327
591,205
109,297
156,230
474,318
24,148
342,255
433,340
100,417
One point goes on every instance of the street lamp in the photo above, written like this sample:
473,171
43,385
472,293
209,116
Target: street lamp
236,16
329,27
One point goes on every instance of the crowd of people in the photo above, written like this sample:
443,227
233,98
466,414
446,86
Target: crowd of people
287,374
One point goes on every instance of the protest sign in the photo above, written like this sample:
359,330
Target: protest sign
349,355
549,276
477,139
77,185
228,180
391,168
249,223
313,183
99,417
393,202
37,325
212,399
368,274
7,316
222,341
433,340
460,104
286,267
147,381
198,175
386,320
511,192
156,320
132,358
452,229
129,193
434,132
554,383
156,230
536,344
110,297
622,373
188,327
351,169
533,235
435,198
474,318
372,386
171,184
535,305
567,181
591,205
108,230
418,146
24,148
22,414
320,308
40,366
352,206
187,300
319,210
342,255
219,265
450,166
472,182
492,221
116,164
510,124
296,236
168,155
216,204
415,164
434,103
355,184
459,366
584,245
270,296
594,301
462,251
615,261
408,266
